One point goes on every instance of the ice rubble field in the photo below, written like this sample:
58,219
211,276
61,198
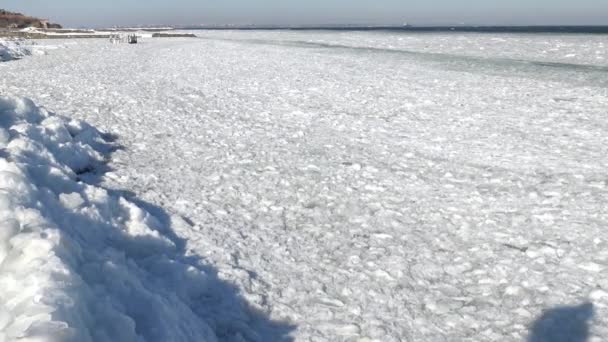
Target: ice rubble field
314,186
582,49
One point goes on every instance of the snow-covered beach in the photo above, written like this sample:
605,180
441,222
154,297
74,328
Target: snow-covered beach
306,186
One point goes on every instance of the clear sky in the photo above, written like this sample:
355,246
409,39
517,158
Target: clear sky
78,13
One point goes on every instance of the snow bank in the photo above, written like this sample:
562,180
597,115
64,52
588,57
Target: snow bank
18,48
13,49
78,263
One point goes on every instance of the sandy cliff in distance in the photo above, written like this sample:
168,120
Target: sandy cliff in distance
18,20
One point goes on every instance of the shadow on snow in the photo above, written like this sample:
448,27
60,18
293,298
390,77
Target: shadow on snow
220,303
563,324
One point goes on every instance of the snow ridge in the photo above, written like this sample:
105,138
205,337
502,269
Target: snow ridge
13,49
77,262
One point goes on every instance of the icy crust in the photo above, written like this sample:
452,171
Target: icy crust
365,196
586,49
76,262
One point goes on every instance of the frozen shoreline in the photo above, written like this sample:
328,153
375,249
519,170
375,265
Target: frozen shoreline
75,258
81,263
361,195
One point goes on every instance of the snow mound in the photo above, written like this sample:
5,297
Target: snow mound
77,262
14,49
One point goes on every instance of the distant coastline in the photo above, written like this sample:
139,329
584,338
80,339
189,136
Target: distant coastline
14,20
597,29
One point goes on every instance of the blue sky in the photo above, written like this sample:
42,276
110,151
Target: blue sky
132,12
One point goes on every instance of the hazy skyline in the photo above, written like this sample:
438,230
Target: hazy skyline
430,12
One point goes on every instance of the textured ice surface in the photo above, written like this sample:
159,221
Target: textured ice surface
568,48
442,194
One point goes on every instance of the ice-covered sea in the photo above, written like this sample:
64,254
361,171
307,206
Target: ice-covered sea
306,186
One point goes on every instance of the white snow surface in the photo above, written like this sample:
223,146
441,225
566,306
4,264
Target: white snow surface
336,189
